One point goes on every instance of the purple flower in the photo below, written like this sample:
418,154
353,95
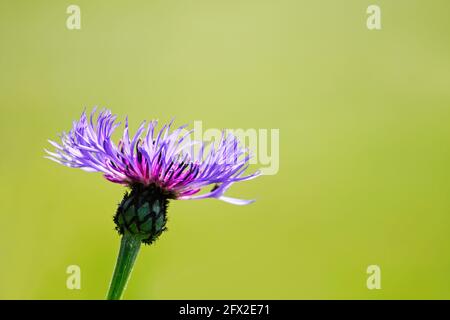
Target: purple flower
167,159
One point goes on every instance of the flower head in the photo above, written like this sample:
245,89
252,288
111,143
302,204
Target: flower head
157,166
165,159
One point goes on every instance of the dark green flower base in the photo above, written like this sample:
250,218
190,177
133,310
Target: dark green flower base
143,212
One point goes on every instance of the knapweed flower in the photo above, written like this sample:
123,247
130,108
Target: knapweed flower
157,165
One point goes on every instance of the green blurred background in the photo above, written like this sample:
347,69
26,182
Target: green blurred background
364,146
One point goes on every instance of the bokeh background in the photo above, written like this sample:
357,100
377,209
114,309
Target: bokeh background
364,146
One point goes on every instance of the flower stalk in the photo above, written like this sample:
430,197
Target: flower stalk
140,218
129,249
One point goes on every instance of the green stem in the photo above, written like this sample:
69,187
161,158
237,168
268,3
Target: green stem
129,249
